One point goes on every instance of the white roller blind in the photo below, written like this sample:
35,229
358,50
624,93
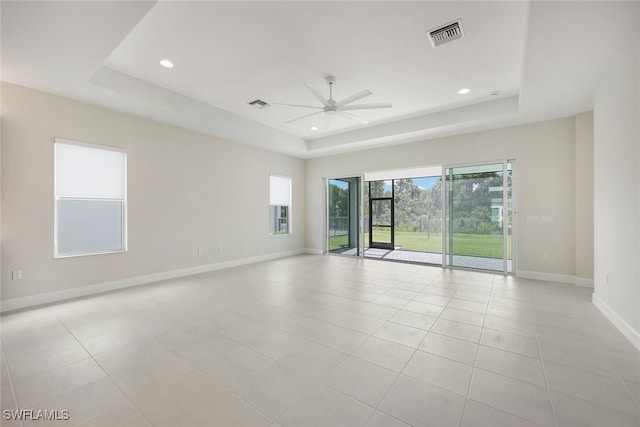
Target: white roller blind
90,193
86,172
280,191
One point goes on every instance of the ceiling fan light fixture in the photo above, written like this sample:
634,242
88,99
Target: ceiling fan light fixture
464,91
166,63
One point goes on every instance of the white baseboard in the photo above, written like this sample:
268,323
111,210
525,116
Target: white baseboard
313,251
66,294
552,277
584,283
626,330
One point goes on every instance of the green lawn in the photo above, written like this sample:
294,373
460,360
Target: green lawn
337,242
481,245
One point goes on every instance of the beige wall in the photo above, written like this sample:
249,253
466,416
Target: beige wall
584,195
545,155
185,191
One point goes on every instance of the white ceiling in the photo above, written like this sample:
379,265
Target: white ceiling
544,57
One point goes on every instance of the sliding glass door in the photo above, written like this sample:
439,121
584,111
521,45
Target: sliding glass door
343,216
479,216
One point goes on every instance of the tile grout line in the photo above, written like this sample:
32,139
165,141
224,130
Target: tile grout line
473,370
400,371
13,391
618,376
107,375
544,371
411,357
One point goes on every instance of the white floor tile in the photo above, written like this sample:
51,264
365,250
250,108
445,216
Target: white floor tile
572,411
420,404
401,334
415,320
523,368
453,348
518,398
380,419
479,415
440,371
323,406
362,380
598,389
43,387
455,329
525,346
384,353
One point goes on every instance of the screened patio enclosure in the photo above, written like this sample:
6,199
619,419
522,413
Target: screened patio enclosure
457,216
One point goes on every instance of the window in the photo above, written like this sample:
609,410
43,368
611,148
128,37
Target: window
90,199
280,205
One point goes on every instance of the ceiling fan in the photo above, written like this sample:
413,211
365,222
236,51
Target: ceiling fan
332,107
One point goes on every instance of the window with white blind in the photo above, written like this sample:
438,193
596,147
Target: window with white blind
90,199
279,205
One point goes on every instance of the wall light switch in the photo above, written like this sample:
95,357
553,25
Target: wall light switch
16,275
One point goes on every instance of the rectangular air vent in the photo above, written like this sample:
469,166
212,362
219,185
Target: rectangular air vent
447,33
258,103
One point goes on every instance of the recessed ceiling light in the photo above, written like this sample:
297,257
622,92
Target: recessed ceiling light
314,127
166,63
464,91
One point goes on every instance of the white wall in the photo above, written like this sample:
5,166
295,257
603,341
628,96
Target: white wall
545,184
617,189
185,190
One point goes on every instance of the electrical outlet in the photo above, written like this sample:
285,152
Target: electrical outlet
200,251
547,256
16,275
219,249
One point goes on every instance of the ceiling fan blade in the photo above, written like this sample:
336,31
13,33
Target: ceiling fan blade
354,97
304,117
367,106
297,105
352,117
317,94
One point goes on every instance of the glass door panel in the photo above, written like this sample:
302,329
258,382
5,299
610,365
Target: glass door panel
381,215
478,225
343,216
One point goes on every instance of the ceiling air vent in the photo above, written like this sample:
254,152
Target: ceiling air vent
258,103
446,34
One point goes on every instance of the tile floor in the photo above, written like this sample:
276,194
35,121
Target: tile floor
324,341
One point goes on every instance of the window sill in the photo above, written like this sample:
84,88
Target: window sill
55,256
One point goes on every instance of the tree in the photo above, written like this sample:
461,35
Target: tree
339,201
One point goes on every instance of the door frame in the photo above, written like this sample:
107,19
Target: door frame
446,208
360,220
392,226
